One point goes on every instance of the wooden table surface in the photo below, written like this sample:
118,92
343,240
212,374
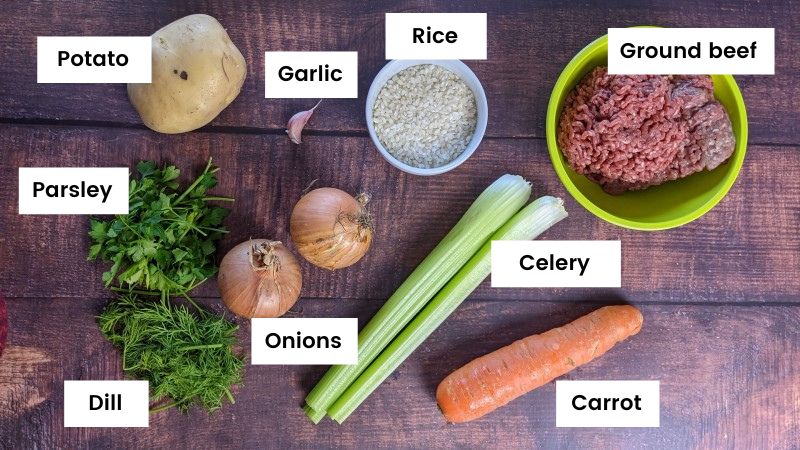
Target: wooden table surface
720,296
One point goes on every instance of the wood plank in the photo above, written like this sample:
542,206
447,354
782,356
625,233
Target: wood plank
743,250
529,44
725,372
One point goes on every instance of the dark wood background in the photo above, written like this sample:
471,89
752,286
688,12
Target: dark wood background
720,296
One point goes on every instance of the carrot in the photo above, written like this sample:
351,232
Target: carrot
491,381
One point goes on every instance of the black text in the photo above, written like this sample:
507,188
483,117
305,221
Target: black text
100,59
426,36
580,402
275,340
320,73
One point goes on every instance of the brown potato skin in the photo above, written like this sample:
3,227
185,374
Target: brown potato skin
197,72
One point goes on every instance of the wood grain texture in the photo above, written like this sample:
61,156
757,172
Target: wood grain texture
718,384
720,296
743,250
529,45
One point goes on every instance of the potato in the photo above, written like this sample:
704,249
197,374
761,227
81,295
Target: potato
197,72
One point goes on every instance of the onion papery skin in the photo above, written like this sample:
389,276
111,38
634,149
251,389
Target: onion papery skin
259,278
330,228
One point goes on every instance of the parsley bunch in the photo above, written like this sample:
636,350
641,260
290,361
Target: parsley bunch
187,359
166,241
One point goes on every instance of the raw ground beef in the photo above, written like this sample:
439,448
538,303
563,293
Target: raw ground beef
629,132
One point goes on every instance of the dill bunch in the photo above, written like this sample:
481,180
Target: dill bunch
188,359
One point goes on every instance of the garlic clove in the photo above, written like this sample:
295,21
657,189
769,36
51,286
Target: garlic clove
297,122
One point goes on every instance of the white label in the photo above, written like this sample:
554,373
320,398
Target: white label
311,74
608,403
435,35
73,190
93,59
304,341
689,51
556,264
106,403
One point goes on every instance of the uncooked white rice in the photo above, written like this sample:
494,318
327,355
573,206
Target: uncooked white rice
425,116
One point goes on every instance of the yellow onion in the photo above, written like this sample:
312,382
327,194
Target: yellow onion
259,278
330,228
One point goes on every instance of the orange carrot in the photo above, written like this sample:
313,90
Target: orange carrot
491,381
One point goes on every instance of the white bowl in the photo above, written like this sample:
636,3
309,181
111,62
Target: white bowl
458,68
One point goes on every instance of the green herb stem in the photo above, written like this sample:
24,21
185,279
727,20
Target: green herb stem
163,407
135,291
218,230
198,308
199,347
195,183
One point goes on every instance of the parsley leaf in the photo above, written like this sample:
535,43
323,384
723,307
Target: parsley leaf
167,240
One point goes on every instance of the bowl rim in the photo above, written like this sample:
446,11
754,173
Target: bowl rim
396,65
554,151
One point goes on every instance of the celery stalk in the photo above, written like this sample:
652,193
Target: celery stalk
526,224
314,415
499,202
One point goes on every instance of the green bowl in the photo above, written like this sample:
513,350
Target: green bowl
669,205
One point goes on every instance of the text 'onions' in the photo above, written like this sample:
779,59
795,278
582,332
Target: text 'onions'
330,228
259,278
